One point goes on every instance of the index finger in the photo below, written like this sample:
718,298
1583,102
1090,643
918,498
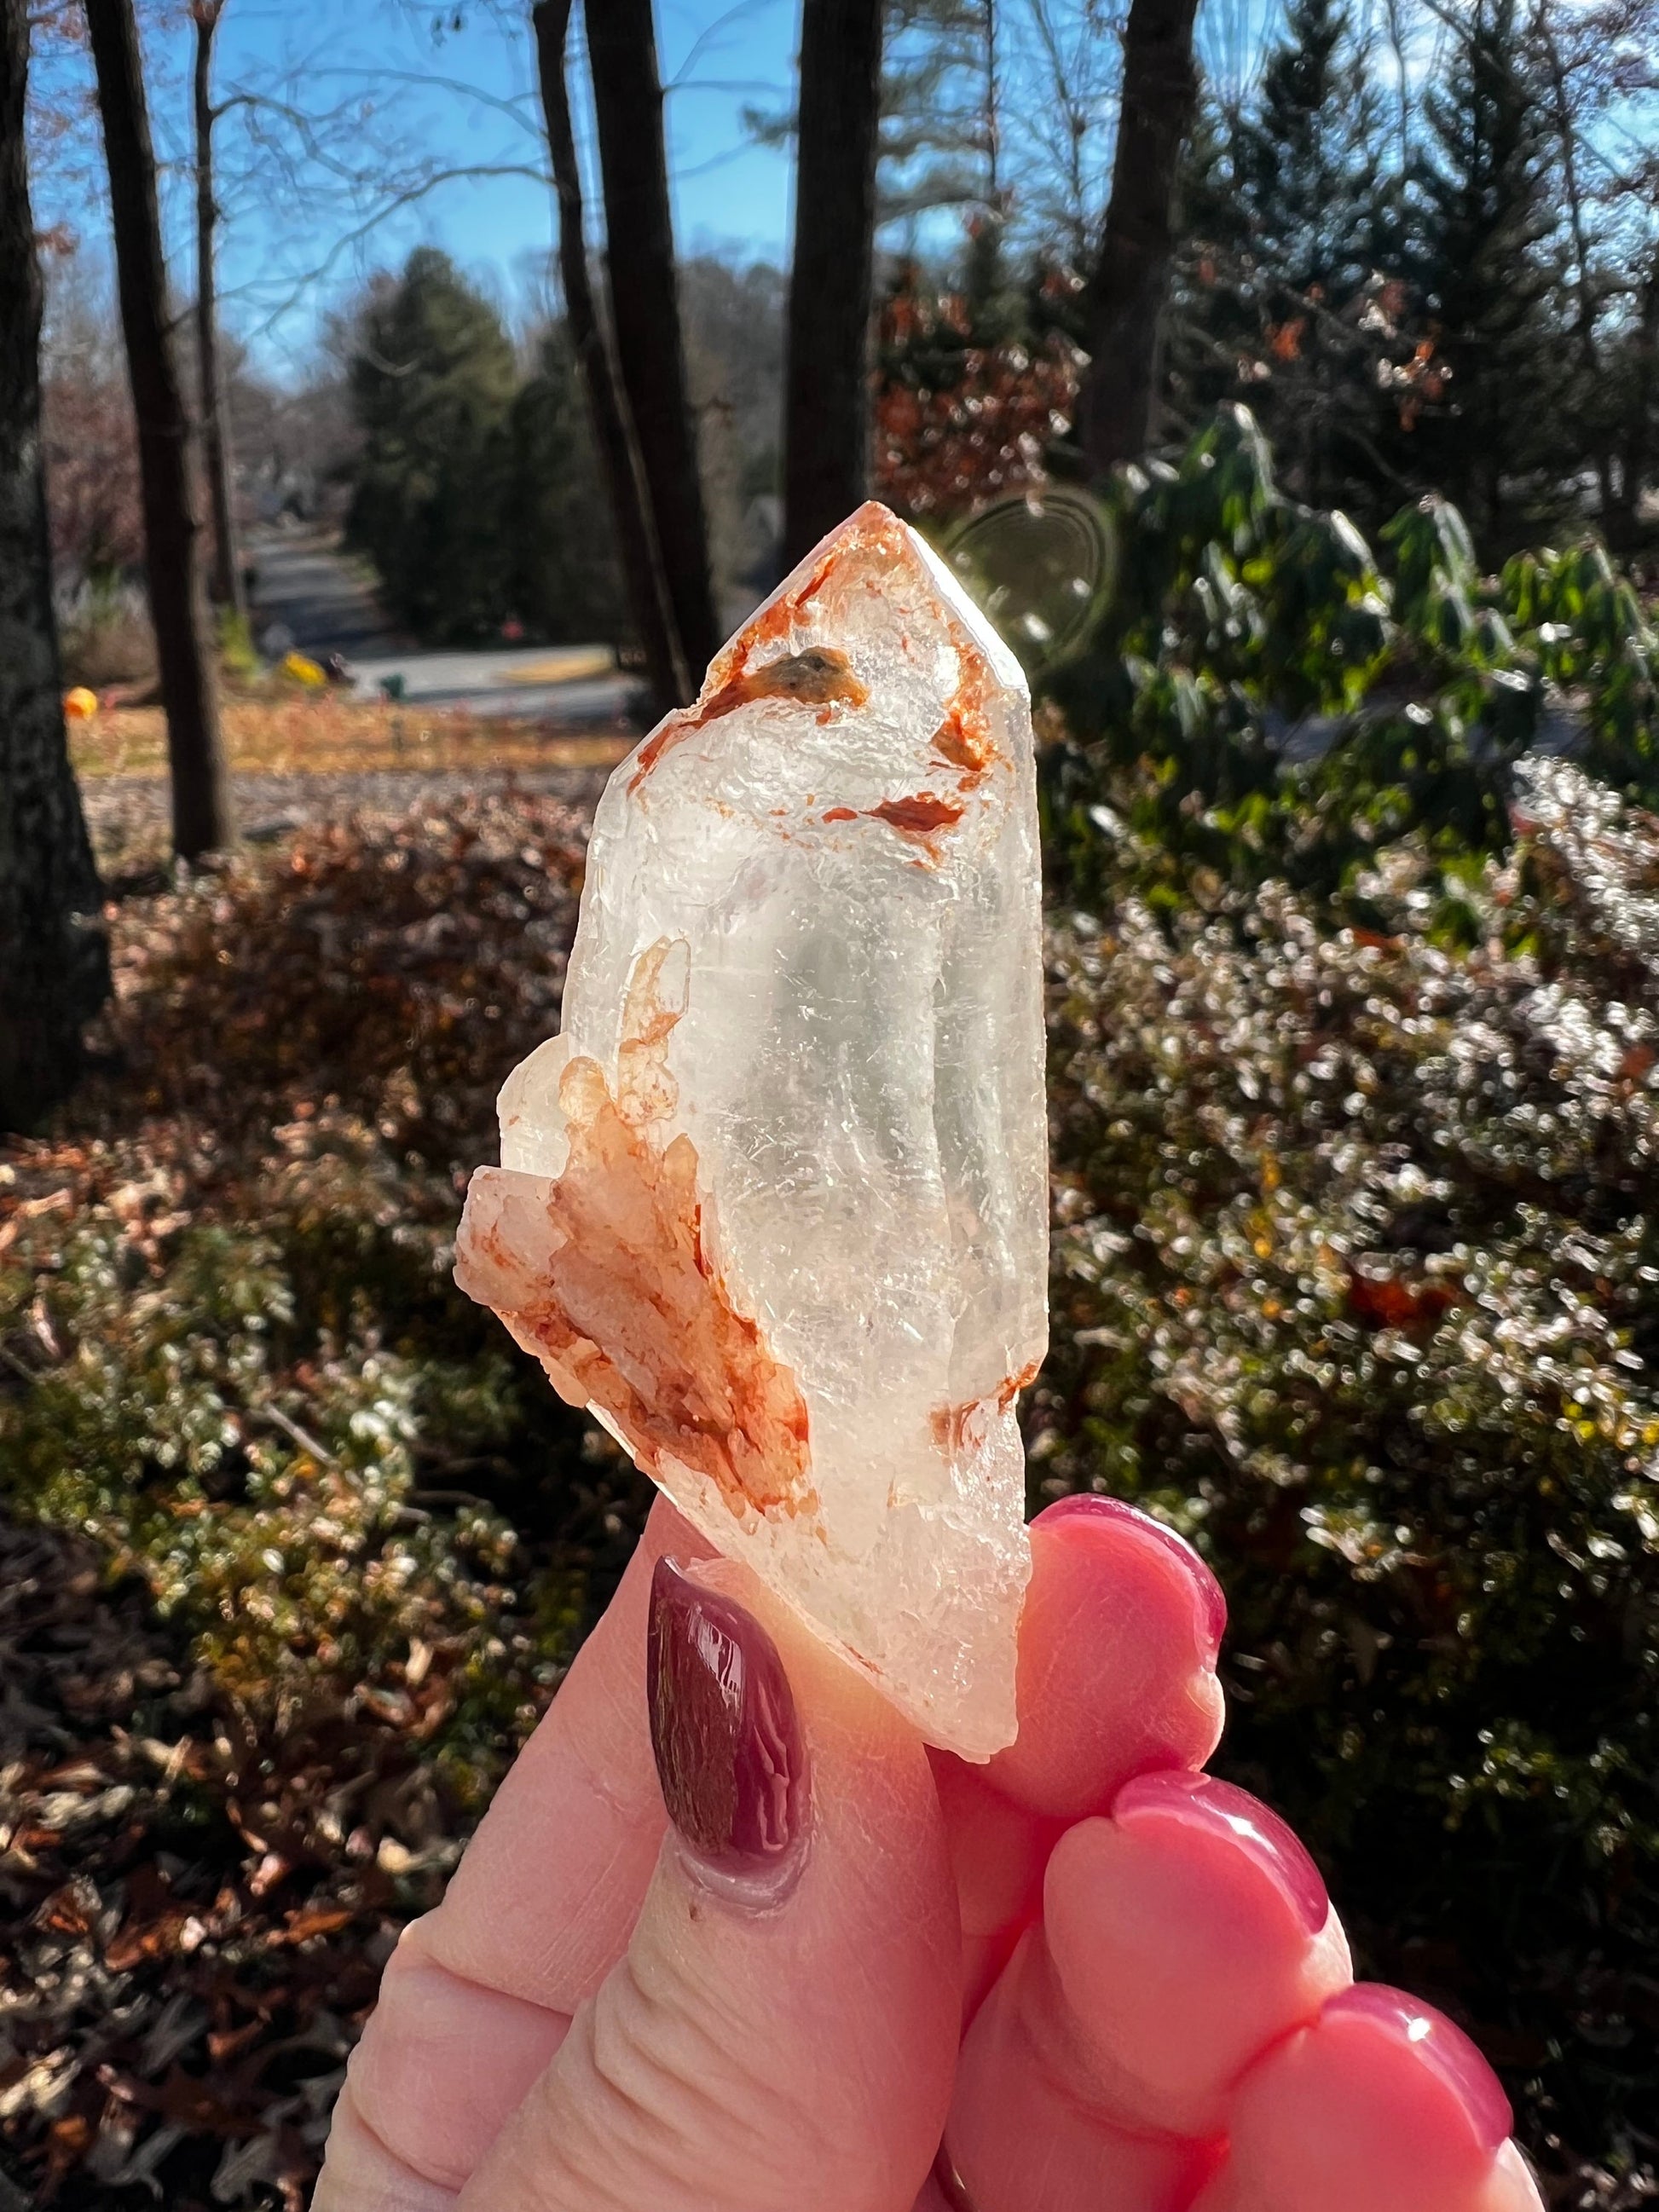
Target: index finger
542,1905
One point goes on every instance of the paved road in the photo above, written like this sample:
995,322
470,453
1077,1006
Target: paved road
571,684
305,587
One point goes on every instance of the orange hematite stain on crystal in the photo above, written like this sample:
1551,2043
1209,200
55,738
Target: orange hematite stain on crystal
955,1427
820,676
918,816
629,1314
816,676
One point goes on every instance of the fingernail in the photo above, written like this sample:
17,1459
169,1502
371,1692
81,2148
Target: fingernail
728,1745
1440,2044
1200,1801
1209,1605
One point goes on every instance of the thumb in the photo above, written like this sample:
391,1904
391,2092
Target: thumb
783,2027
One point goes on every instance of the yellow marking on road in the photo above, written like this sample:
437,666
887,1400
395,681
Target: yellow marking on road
568,666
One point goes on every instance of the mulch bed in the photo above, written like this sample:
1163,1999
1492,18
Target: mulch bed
181,1971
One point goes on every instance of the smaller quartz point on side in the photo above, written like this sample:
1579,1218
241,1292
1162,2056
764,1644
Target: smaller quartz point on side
774,1204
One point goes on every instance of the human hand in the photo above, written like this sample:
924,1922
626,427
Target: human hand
760,2007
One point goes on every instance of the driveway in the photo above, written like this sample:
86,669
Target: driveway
305,588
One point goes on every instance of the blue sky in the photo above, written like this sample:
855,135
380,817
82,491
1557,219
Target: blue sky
730,194
405,105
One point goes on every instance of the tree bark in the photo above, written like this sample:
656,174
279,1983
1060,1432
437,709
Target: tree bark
645,312
54,961
1584,328
226,582
173,531
1117,406
826,408
607,402
1636,459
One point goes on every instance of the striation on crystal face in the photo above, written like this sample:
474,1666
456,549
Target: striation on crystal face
773,1203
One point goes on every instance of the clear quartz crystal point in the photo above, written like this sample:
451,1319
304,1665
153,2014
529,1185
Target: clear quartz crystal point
773,1206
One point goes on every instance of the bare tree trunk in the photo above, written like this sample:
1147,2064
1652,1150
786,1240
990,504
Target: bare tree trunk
826,406
645,310
172,532
1578,230
607,404
226,583
1118,405
1636,457
54,961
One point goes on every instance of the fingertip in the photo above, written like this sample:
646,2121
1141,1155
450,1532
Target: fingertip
1117,1658
870,1773
1188,1930
840,1694
1086,1509
1381,2105
1389,2017
1234,1822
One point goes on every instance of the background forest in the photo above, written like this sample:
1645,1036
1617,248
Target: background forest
1286,384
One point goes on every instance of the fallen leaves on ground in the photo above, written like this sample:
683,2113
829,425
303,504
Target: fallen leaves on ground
178,1995
325,734
293,1553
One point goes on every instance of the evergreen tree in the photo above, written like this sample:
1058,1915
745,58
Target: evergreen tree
1291,217
433,379
1307,162
564,582
1490,270
1215,317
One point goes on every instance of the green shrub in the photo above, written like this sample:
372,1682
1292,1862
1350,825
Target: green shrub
1357,1280
238,656
230,1349
1266,697
262,1418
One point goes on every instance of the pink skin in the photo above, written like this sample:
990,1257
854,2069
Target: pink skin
1379,2103
1210,1606
1408,2022
1236,1821
1082,1975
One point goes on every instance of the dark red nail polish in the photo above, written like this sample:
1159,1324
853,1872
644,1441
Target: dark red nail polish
951,2186
1440,2045
729,1750
1244,1821
1209,1605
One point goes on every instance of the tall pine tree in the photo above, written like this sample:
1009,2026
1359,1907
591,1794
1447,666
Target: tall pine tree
1307,161
432,380
1489,267
1291,214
